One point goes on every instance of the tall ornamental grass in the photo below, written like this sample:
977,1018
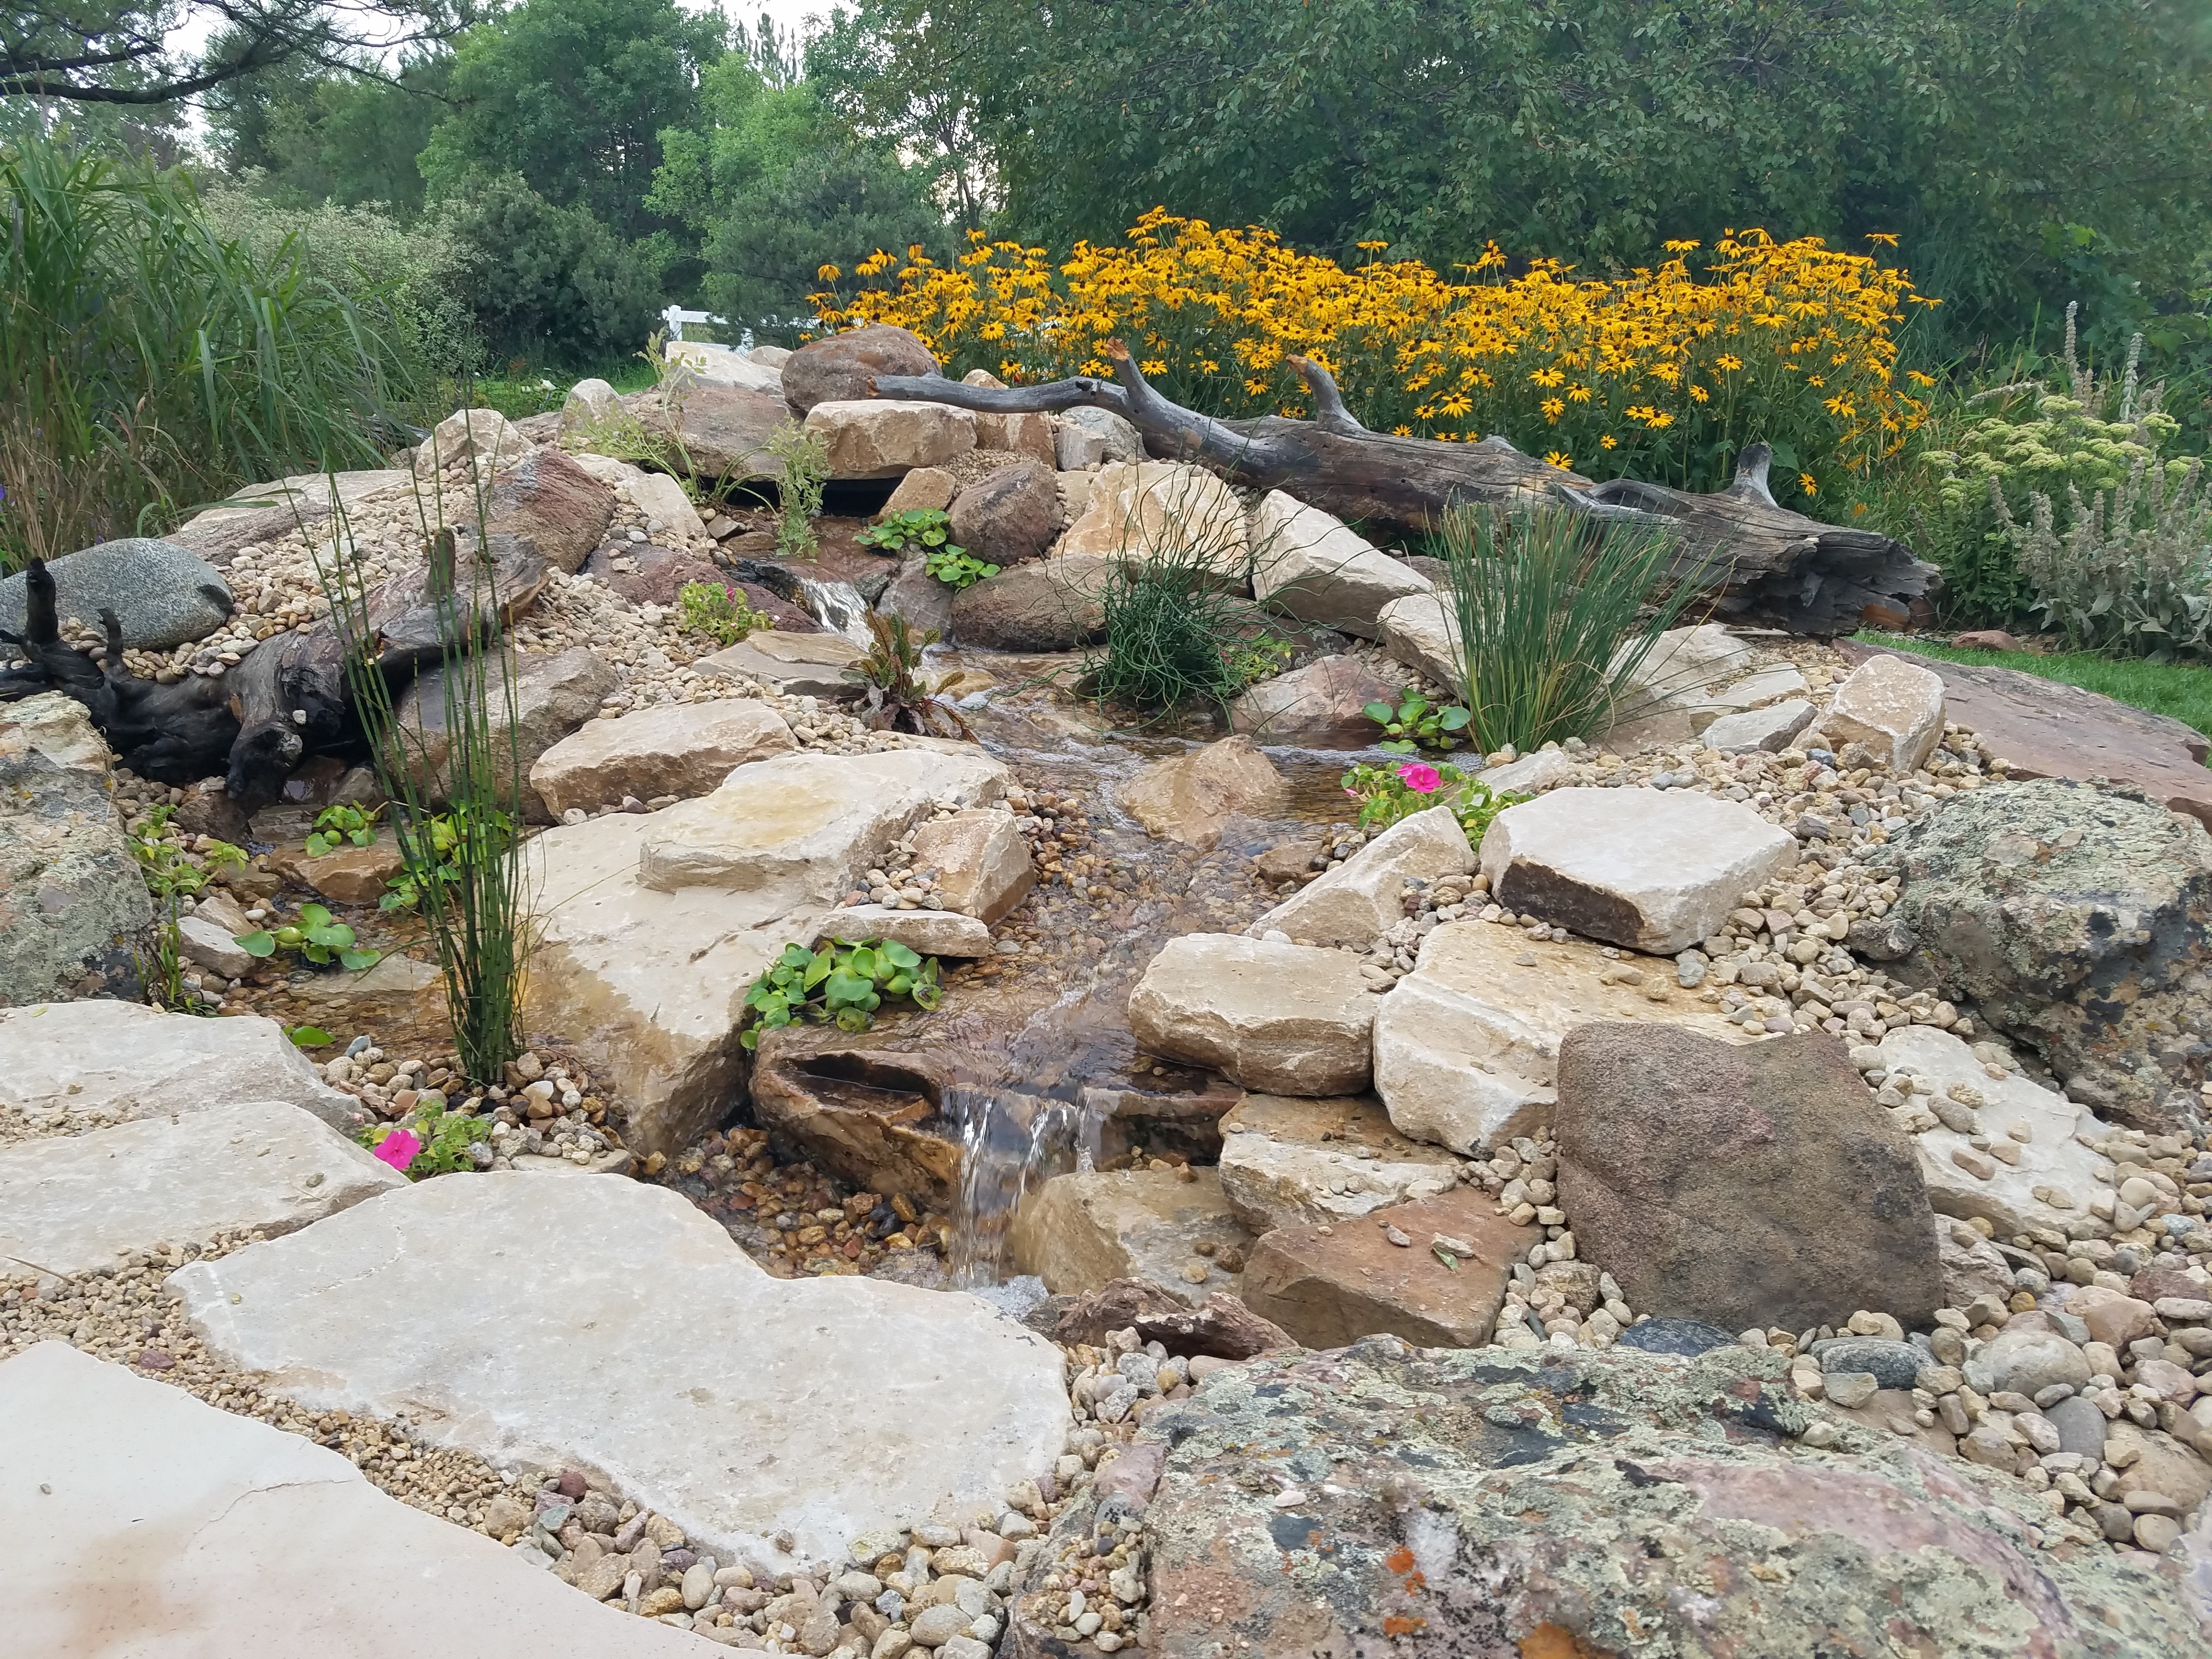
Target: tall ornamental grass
147,364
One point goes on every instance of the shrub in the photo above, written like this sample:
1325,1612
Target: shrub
2131,574
720,613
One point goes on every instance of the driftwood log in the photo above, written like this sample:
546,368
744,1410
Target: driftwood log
1760,561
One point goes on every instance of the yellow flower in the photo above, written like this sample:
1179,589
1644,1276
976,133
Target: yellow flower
1815,380
1678,248
1153,365
1728,361
1698,395
828,273
1559,459
1608,442
1552,408
1806,480
1546,377
1578,393
1887,239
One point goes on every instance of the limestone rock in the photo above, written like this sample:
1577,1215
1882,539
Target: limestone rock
1288,1161
1283,1018
1417,632
349,875
672,749
700,363
477,442
1890,708
792,665
1359,899
1746,1185
99,1061
982,862
1091,437
590,406
75,1203
1164,507
1651,869
715,432
873,440
1331,1284
1752,691
923,489
1049,605
703,1401
1317,706
1077,1233
1191,797
1466,1045
1308,564
163,595
1683,665
200,939
1768,729
553,695
932,932
1532,774
661,497
844,366
1008,515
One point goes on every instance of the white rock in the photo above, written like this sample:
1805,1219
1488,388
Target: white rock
1769,729
1889,707
478,440
703,364
141,1522
1308,564
1289,1163
774,356
1531,775
606,469
1286,1018
671,749
212,946
871,439
1078,1231
1362,896
660,496
1136,509
1651,869
1753,690
932,932
1420,635
982,861
1086,438
70,1203
99,1060
590,405
1467,1047
714,1401
1682,666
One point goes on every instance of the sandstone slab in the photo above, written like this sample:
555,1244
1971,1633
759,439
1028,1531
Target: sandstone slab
1362,898
200,939
1148,509
1290,1162
1091,437
932,932
1284,1018
868,1106
845,365
1651,869
1767,730
982,862
672,749
1417,631
1190,798
719,433
1682,666
142,1522
70,1204
662,500
1318,706
1309,564
921,490
874,440
1077,1233
1466,1045
792,665
1890,709
705,1400
348,875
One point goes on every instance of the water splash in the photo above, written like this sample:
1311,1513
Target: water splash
838,607
1012,1142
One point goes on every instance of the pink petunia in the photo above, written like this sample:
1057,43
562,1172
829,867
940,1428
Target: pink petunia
398,1149
1421,780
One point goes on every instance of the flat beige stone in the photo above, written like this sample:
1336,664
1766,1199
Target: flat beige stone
982,862
1190,798
660,498
1892,708
930,933
1292,1163
793,665
871,439
1078,1231
1288,1019
1362,898
671,749
1683,667
1309,564
611,1326
139,1523
1139,508
72,1203
1417,633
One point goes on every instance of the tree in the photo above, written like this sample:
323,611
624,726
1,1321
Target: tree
314,136
552,283
894,71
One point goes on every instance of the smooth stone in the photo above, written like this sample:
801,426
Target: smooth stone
1678,1336
1892,1364
790,665
684,750
162,594
2081,1426
871,439
2024,1362
1281,1018
930,933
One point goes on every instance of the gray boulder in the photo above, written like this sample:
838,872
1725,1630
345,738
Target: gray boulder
1047,604
163,595
1091,437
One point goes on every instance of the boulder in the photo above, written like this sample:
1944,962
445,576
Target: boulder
1050,604
839,368
1651,869
1317,707
1683,667
1466,1045
914,594
671,748
477,443
1029,435
867,1106
74,915
2026,1361
1889,710
1284,1018
1743,1184
1190,798
713,433
982,862
773,356
591,406
1362,897
1531,775
700,363
703,1401
923,489
1331,1284
1419,633
646,573
1288,1161
931,933
662,500
875,439
163,595
1306,563
85,1064
73,1204
1009,516
1164,509
553,695
1091,437
2161,1464
1078,1232
790,665
1220,1326
197,1521
2052,1164
1767,730
553,504
2078,920
351,875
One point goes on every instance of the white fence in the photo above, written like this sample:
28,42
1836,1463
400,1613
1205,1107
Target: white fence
676,316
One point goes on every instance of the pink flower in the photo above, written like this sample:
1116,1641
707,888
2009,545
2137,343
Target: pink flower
398,1149
1421,780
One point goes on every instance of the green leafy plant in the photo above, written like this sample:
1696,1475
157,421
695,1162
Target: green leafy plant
443,1141
893,700
1175,626
436,847
1259,658
843,981
720,613
172,875
308,1037
2131,575
1389,793
958,568
925,527
1415,723
317,936
335,826
803,459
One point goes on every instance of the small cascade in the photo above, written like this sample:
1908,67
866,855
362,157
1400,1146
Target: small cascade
1010,1143
838,607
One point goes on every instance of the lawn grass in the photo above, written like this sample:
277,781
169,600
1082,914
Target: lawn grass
2164,688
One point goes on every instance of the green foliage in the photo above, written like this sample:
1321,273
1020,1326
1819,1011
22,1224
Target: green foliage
1176,629
308,1037
804,459
842,981
2132,573
308,136
892,699
1259,656
317,936
929,527
957,568
1415,723
445,1137
719,612
2180,691
433,854
337,825
170,873
1387,794
1551,612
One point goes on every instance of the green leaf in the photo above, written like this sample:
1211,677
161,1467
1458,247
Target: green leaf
315,953
854,1019
860,962
1454,718
819,968
748,1039
901,956
898,984
846,987
309,1037
1396,746
1444,1256
361,838
1381,713
927,995
263,944
358,960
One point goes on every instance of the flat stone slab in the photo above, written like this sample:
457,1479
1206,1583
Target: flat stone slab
610,1326
1767,729
673,749
1290,1019
1363,897
794,664
1309,564
1288,1161
101,1062
1077,1233
932,932
71,1203
2046,730
139,1521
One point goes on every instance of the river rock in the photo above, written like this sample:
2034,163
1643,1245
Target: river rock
1087,437
163,595
1767,730
553,695
2078,920
873,440
845,365
75,1203
931,933
74,915
1009,515
1050,604
1331,1284
1319,706
1282,1018
1749,1185
704,1401
1654,869
1164,508
1191,797
1889,709
1308,564
2161,1464
1418,632
1289,1162
1362,898
1466,1045
98,1061
982,862
673,749
1077,1233
790,665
